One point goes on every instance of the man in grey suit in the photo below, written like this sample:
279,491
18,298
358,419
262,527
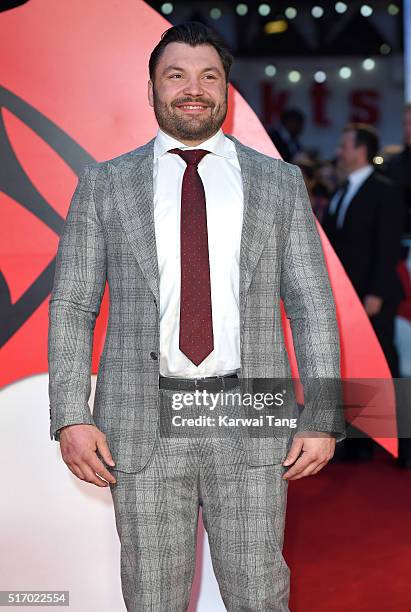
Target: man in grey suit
199,237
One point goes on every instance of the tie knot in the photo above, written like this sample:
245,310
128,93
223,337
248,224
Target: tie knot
192,157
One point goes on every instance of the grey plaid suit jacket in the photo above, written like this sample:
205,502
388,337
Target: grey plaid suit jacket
109,235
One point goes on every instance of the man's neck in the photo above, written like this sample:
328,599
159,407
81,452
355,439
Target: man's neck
358,167
189,143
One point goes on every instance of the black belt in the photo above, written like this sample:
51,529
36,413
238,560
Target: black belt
208,383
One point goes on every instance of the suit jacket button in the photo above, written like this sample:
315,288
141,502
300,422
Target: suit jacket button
153,355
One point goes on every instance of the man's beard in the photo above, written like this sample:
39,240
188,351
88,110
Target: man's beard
190,127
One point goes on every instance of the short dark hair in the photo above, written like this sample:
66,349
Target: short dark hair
365,135
191,33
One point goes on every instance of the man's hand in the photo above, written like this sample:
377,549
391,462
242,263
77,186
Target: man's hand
317,449
78,444
372,304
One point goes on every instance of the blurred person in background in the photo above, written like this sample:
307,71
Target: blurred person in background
364,223
326,172
287,133
398,167
318,190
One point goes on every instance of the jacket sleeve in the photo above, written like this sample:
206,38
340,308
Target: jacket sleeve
310,307
75,300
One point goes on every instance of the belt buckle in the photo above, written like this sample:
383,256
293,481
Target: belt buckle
197,381
204,380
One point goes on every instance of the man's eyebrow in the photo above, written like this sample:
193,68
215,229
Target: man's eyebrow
179,69
212,68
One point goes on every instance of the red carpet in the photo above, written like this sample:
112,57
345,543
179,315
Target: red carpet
348,538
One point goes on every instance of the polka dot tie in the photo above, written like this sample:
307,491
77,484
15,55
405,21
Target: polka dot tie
196,326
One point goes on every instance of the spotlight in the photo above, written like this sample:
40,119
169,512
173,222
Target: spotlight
290,12
264,10
242,9
368,64
215,13
167,8
345,72
393,9
378,159
340,7
317,12
270,70
320,76
294,76
366,10
385,49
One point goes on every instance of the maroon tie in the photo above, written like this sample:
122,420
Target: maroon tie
196,325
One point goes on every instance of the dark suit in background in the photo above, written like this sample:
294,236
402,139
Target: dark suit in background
368,245
399,170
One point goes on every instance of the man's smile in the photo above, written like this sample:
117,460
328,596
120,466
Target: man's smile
192,108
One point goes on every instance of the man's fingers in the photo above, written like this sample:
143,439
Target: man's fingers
75,470
310,470
90,476
304,468
86,471
299,465
98,467
79,445
299,471
294,451
104,450
320,466
306,460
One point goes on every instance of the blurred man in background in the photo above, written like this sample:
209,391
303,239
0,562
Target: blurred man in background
399,167
317,189
364,223
287,133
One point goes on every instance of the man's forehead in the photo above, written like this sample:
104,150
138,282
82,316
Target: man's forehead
184,55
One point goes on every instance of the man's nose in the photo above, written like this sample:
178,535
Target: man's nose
193,87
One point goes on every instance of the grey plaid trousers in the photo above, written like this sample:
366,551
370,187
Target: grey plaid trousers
243,509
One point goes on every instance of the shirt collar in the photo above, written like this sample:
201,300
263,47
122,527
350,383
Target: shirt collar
360,175
218,144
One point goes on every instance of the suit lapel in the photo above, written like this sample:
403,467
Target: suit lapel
133,189
258,214
134,194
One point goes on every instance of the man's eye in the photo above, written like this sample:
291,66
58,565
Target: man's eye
175,75
209,76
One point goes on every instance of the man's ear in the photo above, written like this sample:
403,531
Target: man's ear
150,87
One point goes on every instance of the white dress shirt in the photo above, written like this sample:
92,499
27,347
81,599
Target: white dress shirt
220,173
355,180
